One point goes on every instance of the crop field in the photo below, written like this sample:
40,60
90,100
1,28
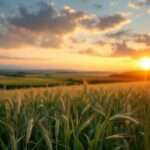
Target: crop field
87,117
28,80
12,82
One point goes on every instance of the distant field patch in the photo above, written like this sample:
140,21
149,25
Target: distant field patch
28,81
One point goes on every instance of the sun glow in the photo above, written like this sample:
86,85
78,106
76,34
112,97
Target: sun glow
145,63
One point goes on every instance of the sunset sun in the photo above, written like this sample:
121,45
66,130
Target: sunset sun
145,63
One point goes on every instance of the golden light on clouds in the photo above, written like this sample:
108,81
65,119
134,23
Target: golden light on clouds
69,37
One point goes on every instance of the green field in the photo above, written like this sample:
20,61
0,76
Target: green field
11,82
88,117
17,80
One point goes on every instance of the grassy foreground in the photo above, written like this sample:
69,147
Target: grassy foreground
80,119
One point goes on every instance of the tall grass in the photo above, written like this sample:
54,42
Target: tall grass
86,119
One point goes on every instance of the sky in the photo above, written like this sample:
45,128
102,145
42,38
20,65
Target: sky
93,35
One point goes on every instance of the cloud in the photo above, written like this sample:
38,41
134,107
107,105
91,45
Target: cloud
18,37
128,35
142,38
139,4
120,45
123,50
47,27
135,5
15,37
118,49
119,34
16,58
107,23
47,19
44,28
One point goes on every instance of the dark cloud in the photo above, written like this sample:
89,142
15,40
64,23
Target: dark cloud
119,34
13,38
17,37
45,20
142,38
107,22
48,20
123,50
128,35
139,3
111,21
46,27
119,49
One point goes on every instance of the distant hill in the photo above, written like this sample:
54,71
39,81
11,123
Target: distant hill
52,71
133,75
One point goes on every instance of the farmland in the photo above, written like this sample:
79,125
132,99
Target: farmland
49,79
74,74
91,117
29,81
